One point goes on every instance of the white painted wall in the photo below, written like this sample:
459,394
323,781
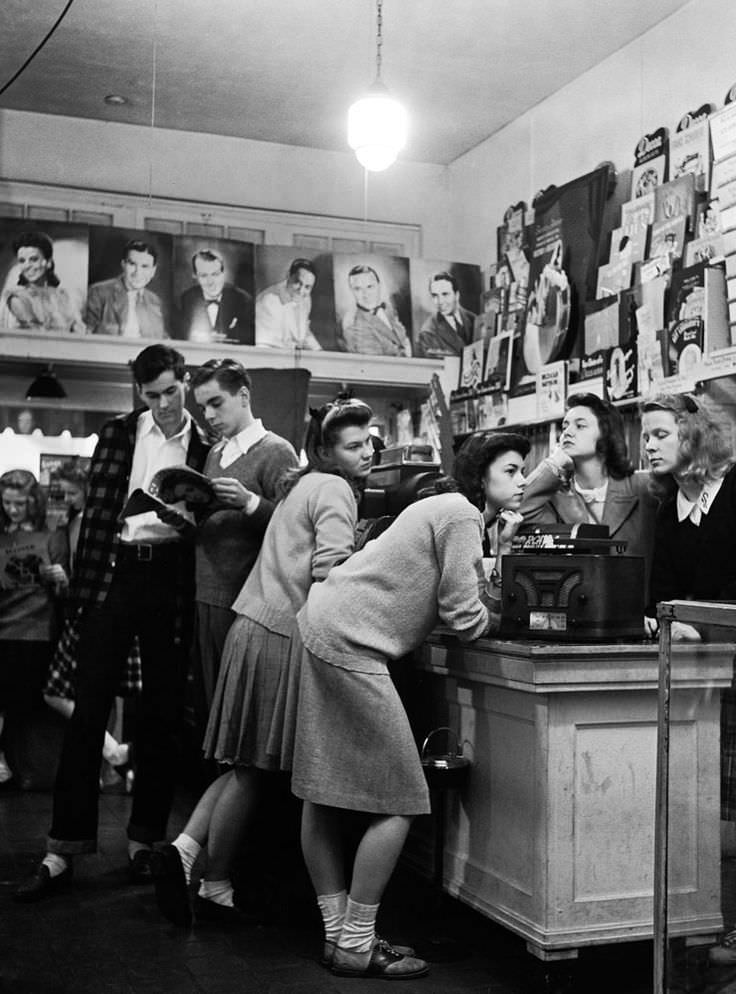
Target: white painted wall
682,63
100,155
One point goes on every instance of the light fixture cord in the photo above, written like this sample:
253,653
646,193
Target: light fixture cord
154,68
379,37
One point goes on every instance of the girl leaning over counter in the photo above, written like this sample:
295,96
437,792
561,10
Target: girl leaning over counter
354,750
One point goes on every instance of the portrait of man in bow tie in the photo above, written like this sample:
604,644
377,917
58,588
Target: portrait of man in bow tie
371,325
125,305
214,309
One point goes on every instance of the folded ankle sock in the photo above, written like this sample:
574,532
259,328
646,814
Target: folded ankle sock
332,908
217,891
188,849
359,928
55,863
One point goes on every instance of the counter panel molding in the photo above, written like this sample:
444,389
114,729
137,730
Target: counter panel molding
553,835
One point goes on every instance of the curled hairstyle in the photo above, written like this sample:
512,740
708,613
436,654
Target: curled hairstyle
359,270
298,264
136,245
447,277
323,431
704,436
611,446
42,242
149,364
24,481
207,255
475,456
230,374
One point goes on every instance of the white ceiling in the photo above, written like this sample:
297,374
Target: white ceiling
286,70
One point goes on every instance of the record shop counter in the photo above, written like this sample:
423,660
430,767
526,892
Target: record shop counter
552,834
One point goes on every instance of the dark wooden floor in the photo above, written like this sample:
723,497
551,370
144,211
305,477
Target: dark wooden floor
105,936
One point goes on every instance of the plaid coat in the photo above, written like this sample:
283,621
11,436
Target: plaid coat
99,536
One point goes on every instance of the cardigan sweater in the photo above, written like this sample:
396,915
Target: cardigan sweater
385,600
696,562
312,530
228,539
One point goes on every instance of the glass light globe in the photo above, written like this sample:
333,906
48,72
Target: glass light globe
377,128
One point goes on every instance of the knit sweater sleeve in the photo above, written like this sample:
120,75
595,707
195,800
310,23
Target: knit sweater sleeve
334,516
459,554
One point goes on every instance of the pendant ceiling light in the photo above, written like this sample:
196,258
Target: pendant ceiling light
46,386
377,124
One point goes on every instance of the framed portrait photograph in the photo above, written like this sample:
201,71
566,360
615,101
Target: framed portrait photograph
43,276
295,303
129,292
373,304
445,300
213,283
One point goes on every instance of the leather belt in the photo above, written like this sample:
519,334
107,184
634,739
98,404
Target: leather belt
147,552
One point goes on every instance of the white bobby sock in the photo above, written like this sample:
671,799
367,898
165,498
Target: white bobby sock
359,928
55,863
188,849
217,891
332,908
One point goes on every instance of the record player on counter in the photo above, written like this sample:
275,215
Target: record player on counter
571,583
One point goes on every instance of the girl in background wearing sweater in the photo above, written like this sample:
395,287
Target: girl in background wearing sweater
33,572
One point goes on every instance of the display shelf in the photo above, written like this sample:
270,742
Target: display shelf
325,367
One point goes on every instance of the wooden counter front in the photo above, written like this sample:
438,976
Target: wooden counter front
553,834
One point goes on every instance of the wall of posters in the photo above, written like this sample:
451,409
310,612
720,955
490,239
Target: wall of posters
148,285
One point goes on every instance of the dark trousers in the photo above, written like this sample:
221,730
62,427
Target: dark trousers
141,601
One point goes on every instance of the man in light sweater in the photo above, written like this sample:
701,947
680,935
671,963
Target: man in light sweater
245,467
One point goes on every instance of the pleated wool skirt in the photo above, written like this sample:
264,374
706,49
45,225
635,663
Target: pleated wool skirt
353,746
253,714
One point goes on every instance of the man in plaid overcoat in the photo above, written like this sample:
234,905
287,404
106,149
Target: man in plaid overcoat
132,577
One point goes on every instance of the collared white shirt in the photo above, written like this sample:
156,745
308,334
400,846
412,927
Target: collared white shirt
239,444
593,499
152,452
695,509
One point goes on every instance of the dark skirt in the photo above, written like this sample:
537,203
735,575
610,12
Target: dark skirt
353,746
253,713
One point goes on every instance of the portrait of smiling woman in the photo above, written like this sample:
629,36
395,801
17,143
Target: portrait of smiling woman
32,296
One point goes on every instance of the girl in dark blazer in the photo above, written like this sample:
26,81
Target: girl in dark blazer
589,478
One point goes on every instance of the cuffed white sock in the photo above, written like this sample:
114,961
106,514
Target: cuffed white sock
359,928
332,908
217,891
188,849
55,863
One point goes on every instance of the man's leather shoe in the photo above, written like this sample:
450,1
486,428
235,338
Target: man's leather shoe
139,867
383,963
40,884
172,890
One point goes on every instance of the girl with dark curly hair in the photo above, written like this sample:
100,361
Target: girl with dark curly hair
589,478
353,747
